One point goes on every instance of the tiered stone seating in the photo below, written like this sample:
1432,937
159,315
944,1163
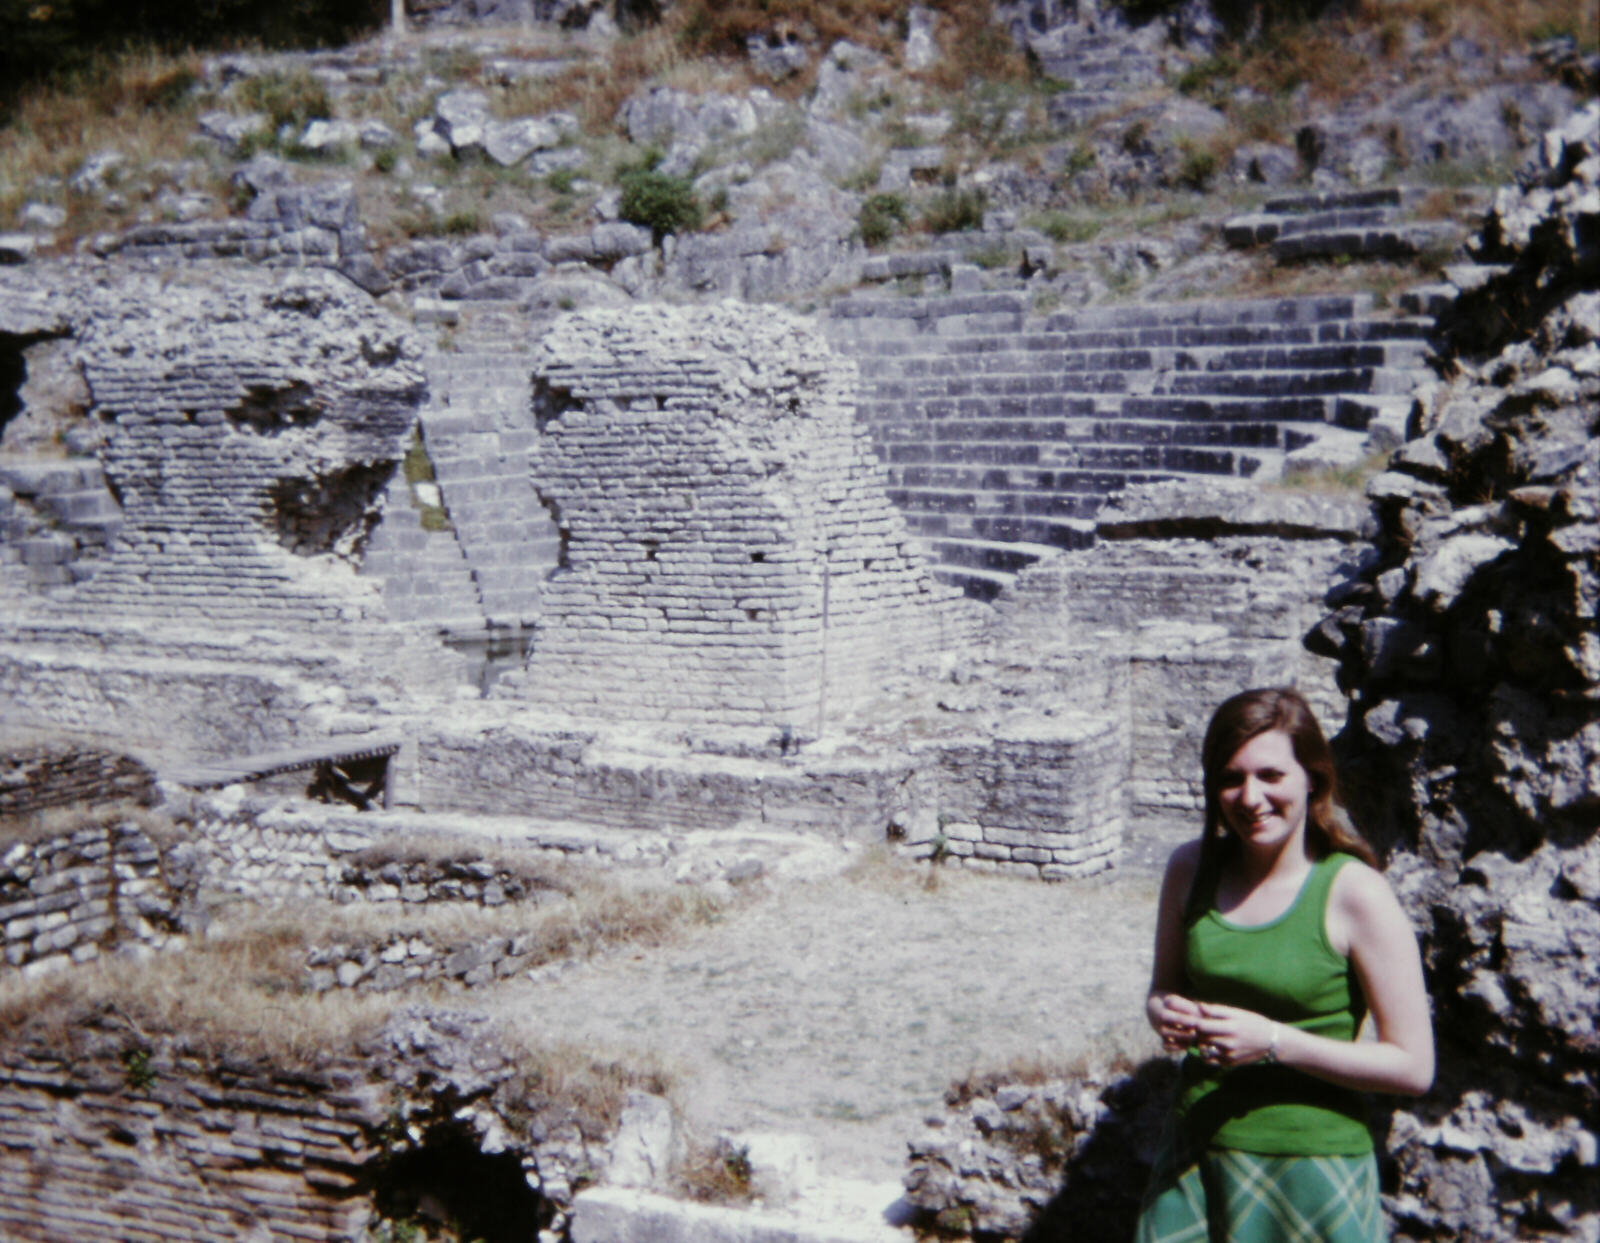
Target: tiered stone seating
1365,224
1103,68
1004,434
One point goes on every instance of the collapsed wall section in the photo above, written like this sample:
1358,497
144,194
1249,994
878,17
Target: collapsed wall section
730,556
249,428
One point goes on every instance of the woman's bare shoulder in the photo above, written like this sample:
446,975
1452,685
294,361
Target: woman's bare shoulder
1359,886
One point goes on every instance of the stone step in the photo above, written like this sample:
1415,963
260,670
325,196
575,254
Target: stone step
1384,242
52,477
72,508
991,555
1339,200
1315,409
975,583
1267,383
1074,109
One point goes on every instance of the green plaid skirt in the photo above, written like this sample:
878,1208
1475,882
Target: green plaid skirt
1245,1197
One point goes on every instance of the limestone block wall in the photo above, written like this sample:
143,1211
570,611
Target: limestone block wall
573,775
1039,798
43,775
170,692
286,227
189,1157
730,555
65,899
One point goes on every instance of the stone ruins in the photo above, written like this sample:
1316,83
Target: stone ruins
287,585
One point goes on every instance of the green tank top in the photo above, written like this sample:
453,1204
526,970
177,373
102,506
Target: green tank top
1287,970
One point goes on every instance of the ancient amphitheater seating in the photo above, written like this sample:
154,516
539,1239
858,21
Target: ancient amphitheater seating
1355,224
1004,434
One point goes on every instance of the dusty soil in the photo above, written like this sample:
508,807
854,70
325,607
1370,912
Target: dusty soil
842,1008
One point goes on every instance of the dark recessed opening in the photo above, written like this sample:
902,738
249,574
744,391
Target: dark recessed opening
758,557
448,1183
650,547
753,614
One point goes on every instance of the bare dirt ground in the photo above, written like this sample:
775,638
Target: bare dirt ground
842,1008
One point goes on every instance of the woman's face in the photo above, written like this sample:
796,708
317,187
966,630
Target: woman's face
1262,791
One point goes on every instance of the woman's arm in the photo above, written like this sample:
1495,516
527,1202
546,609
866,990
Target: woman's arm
1169,1012
1365,919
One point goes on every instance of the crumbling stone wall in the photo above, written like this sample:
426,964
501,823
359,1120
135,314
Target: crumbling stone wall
1202,590
44,775
115,1133
65,899
730,556
249,427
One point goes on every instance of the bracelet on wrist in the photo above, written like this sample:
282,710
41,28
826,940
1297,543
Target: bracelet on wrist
1272,1044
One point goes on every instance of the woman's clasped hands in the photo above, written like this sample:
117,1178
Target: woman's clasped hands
1221,1035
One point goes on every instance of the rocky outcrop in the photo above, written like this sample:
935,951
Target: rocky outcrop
1062,1159
1470,647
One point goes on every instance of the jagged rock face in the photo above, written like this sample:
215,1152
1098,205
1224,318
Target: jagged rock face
1471,649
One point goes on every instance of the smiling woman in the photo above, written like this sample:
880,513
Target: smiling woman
1276,937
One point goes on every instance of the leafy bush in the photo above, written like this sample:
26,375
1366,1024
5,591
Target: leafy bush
880,215
954,211
659,202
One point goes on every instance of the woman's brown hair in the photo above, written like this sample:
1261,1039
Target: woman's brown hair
1249,714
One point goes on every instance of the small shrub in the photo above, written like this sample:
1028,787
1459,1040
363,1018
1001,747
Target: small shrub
954,211
294,99
880,215
386,159
137,1071
1060,226
462,223
560,180
720,1174
1081,160
1197,167
659,202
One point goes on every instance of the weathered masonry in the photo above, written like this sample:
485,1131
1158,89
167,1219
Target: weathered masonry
730,557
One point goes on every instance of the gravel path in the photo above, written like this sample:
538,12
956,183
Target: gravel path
842,1008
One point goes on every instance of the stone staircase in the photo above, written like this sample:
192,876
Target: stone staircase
1004,434
478,438
425,574
1357,224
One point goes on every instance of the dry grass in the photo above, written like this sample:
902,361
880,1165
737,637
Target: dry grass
587,1084
141,104
1113,1051
54,822
243,989
714,1173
